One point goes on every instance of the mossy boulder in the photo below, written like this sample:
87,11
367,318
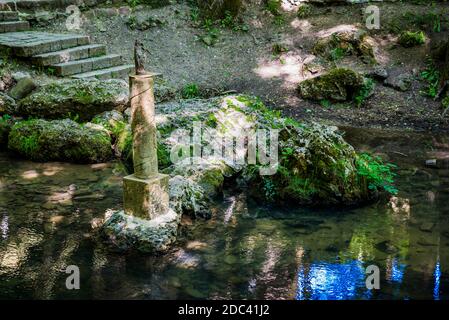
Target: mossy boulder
7,104
6,124
412,38
315,165
80,99
63,140
354,42
339,84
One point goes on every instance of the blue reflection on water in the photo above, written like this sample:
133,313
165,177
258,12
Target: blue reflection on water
328,281
397,271
437,276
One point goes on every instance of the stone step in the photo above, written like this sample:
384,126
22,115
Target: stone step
71,54
31,43
86,65
114,72
9,16
14,26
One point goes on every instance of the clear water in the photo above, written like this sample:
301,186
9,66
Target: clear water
246,251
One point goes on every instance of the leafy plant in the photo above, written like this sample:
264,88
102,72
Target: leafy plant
190,91
364,92
432,76
410,38
377,174
337,53
133,3
278,48
273,6
304,11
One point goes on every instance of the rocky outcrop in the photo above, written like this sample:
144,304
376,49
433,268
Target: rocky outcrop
63,140
81,99
339,84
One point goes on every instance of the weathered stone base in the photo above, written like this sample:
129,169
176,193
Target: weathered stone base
146,198
149,236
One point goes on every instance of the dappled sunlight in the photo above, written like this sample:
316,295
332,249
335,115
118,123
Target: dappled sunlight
339,28
52,169
301,24
290,5
30,174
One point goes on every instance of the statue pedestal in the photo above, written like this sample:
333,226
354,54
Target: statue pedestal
146,198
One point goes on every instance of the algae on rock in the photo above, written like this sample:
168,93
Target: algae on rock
64,140
339,84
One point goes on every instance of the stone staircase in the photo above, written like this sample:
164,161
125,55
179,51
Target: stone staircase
60,54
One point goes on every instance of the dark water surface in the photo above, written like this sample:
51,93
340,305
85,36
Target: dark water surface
246,251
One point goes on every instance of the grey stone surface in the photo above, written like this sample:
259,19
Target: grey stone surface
13,26
71,54
126,233
30,43
114,72
86,65
23,88
146,198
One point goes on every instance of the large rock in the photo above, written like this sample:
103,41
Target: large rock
23,88
7,104
188,197
352,41
315,165
339,84
64,140
128,233
81,99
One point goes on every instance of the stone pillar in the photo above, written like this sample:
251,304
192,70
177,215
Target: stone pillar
145,191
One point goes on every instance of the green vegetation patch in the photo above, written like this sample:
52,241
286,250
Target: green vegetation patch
412,38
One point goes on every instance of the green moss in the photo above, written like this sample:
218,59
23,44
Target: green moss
410,39
445,102
64,140
339,84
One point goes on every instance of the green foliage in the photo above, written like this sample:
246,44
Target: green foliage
337,53
269,189
278,48
410,38
430,21
274,6
132,22
279,20
364,92
191,91
325,103
432,77
377,174
304,11
445,102
133,3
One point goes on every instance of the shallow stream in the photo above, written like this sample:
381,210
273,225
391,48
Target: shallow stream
245,251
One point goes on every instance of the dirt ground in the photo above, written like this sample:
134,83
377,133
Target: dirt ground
244,61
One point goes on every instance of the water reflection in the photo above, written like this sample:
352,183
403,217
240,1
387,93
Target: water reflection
47,212
331,281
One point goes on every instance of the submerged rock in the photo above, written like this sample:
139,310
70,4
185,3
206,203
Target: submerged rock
64,140
339,84
81,99
148,236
